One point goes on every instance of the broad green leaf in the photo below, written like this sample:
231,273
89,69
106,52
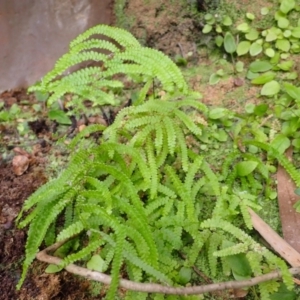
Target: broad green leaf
286,65
249,108
227,21
283,293
219,40
252,35
295,48
292,90
214,79
271,35
264,11
239,66
264,78
207,28
287,33
53,269
255,49
220,72
244,168
283,22
296,143
243,48
270,52
290,127
286,6
284,55
208,17
283,45
260,66
281,143
296,32
41,96
219,29
275,59
250,16
229,43
250,75
217,113
220,135
270,88
96,263
239,265
59,116
185,275
291,76
261,109
244,27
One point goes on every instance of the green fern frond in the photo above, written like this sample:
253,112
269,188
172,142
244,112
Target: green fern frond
212,178
166,191
50,235
71,59
184,194
159,139
93,44
117,263
254,260
143,92
246,240
183,154
70,231
236,249
191,172
181,211
40,225
229,162
193,252
153,205
130,254
125,56
246,215
84,252
144,229
214,242
266,288
153,168
132,152
143,120
192,127
171,134
121,36
162,156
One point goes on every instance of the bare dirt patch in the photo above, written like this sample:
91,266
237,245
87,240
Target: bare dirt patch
163,25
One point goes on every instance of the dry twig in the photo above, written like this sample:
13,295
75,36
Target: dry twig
153,287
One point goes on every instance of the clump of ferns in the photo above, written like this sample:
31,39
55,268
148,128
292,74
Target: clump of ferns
93,68
140,204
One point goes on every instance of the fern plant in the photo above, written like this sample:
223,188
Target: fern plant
92,69
142,198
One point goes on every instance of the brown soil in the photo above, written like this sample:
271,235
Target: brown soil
15,188
162,25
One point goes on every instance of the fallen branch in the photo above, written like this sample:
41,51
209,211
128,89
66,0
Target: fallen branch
285,250
153,287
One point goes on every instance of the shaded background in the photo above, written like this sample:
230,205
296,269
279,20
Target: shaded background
34,34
